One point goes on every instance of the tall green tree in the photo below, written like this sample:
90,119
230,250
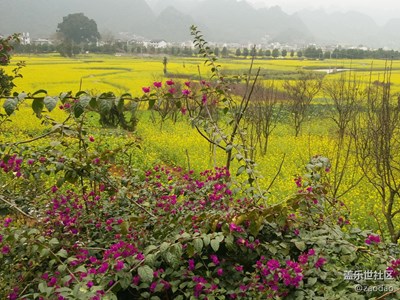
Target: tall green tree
245,52
238,52
225,52
299,53
275,53
76,30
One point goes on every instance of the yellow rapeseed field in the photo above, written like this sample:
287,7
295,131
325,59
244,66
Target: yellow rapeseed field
180,143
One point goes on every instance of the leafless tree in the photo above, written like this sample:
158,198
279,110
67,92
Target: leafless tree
300,94
346,95
377,136
262,117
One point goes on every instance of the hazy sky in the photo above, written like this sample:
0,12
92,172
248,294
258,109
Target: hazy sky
380,10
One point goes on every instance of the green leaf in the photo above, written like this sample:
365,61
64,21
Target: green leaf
311,281
119,103
230,242
215,245
150,259
84,100
44,252
81,269
42,287
300,245
176,249
198,245
39,92
71,176
146,273
64,95
164,246
80,93
150,249
151,103
105,105
126,96
206,240
62,253
93,103
60,182
78,110
54,242
50,103
10,105
21,96
229,148
171,259
37,106
240,170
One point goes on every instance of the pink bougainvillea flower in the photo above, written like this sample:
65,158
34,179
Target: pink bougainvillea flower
171,91
119,265
7,222
6,249
187,83
214,259
373,239
191,264
204,99
186,92
170,82
157,84
320,262
146,89
239,268
273,264
91,138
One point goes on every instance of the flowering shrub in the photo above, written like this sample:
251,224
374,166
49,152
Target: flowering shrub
177,235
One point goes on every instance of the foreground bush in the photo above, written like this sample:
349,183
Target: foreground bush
177,236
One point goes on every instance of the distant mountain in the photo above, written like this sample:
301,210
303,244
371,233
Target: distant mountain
232,21
390,33
183,6
41,17
173,25
352,28
220,21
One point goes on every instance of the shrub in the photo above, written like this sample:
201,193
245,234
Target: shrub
175,236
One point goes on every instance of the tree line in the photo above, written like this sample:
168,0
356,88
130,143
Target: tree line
78,34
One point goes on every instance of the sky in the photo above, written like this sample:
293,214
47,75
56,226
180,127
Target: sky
380,10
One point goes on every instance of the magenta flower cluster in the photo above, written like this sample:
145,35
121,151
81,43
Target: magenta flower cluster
394,268
373,239
13,164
